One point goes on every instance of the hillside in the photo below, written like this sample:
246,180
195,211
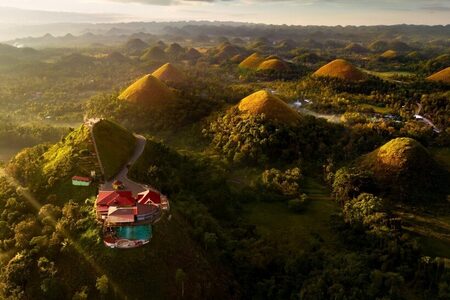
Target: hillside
389,54
404,169
148,91
50,168
441,76
273,64
341,69
263,102
169,73
115,146
252,61
154,54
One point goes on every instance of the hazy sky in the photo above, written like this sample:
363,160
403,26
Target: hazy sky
303,12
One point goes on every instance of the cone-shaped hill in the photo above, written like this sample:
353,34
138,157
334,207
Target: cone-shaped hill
263,102
404,169
252,61
135,46
356,48
273,64
341,69
150,92
168,73
192,54
226,51
441,76
154,53
389,54
116,57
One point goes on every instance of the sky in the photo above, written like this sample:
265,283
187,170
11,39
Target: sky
297,12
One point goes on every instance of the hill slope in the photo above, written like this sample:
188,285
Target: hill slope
263,102
115,146
148,91
441,76
341,69
404,168
252,61
168,73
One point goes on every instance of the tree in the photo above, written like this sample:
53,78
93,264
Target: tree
210,240
180,276
82,294
102,285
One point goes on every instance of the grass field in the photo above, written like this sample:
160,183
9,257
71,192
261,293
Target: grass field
377,109
391,75
290,230
115,146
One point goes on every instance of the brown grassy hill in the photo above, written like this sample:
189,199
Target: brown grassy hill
252,61
237,58
175,49
342,69
389,54
405,169
154,53
441,76
226,52
148,91
168,73
135,46
263,102
273,64
379,46
192,54
356,48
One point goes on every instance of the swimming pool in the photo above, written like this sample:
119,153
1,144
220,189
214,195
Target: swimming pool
140,232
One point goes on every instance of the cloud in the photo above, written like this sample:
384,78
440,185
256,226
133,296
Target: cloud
428,5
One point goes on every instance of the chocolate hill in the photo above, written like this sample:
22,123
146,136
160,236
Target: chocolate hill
168,73
274,64
441,76
154,53
404,169
341,69
263,102
148,91
252,61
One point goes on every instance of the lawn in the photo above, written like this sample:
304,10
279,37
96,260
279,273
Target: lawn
293,231
115,146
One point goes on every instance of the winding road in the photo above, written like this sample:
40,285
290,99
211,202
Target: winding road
129,184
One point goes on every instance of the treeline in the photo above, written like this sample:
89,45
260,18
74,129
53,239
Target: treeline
12,135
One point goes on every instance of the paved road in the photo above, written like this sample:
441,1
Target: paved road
130,185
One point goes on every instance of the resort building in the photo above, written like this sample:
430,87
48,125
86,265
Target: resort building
127,220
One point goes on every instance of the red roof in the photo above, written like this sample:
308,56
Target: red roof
143,209
121,214
115,198
149,197
80,178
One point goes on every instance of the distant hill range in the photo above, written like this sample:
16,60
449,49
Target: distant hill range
108,34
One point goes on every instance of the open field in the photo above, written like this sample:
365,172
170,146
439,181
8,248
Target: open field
290,230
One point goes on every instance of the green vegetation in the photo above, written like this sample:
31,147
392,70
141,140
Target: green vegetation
268,201
115,146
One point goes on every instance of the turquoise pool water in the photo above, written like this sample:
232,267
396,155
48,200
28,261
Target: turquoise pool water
140,232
